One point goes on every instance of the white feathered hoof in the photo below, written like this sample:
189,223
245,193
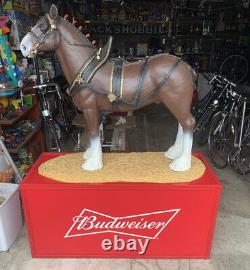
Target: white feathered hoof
87,154
173,152
92,164
180,164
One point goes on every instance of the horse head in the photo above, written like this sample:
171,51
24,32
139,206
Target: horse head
44,36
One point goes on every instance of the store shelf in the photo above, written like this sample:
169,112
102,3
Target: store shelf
125,22
195,53
24,142
19,8
18,117
7,93
195,36
194,18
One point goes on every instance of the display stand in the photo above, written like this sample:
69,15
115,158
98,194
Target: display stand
120,220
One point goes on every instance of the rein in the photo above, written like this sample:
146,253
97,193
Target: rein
75,44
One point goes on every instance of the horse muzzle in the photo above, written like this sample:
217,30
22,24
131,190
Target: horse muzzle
27,45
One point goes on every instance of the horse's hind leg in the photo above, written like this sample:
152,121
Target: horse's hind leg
176,149
183,162
181,151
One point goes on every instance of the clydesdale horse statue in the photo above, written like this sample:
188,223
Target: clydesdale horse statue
98,83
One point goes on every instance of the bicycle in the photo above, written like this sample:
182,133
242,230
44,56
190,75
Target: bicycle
234,68
51,126
229,134
208,107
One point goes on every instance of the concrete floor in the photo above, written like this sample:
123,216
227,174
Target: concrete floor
231,247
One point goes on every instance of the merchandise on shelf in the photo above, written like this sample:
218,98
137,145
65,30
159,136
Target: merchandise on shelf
6,176
7,4
6,172
7,60
11,72
30,7
21,23
16,134
3,21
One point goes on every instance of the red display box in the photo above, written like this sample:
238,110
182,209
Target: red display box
131,220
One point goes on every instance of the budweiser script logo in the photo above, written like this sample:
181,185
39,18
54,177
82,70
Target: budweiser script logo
148,225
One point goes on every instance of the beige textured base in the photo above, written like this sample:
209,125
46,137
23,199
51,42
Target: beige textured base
120,167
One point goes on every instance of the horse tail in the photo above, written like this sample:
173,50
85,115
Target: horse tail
194,76
193,73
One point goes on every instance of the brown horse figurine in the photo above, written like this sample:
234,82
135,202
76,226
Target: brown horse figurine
166,79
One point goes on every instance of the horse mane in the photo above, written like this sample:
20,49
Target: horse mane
81,35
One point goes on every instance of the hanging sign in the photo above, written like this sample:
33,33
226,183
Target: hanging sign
116,29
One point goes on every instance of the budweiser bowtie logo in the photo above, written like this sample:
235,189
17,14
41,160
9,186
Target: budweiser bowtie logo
148,225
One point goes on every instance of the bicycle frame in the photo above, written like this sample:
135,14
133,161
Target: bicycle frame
45,110
242,121
209,107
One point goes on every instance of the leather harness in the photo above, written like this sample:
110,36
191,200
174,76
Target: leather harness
96,60
117,79
90,67
137,100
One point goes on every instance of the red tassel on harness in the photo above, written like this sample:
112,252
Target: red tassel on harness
66,16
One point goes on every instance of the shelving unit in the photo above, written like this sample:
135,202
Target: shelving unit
25,141
30,113
19,8
19,116
192,29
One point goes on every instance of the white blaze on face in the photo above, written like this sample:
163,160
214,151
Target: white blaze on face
27,44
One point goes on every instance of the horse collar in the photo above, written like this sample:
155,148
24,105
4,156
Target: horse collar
90,67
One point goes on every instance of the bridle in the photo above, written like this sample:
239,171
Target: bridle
52,28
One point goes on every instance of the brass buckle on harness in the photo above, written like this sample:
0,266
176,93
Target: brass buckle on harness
98,54
112,97
79,80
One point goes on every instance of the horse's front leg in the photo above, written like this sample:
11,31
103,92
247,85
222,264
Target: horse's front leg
93,155
86,101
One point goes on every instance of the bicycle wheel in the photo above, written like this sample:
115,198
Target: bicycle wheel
234,68
201,135
242,160
51,139
221,139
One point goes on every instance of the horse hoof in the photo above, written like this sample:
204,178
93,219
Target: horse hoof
87,153
173,152
180,165
92,165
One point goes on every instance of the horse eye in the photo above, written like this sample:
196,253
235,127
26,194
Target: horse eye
43,27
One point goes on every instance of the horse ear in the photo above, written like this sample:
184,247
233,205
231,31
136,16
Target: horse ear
53,12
